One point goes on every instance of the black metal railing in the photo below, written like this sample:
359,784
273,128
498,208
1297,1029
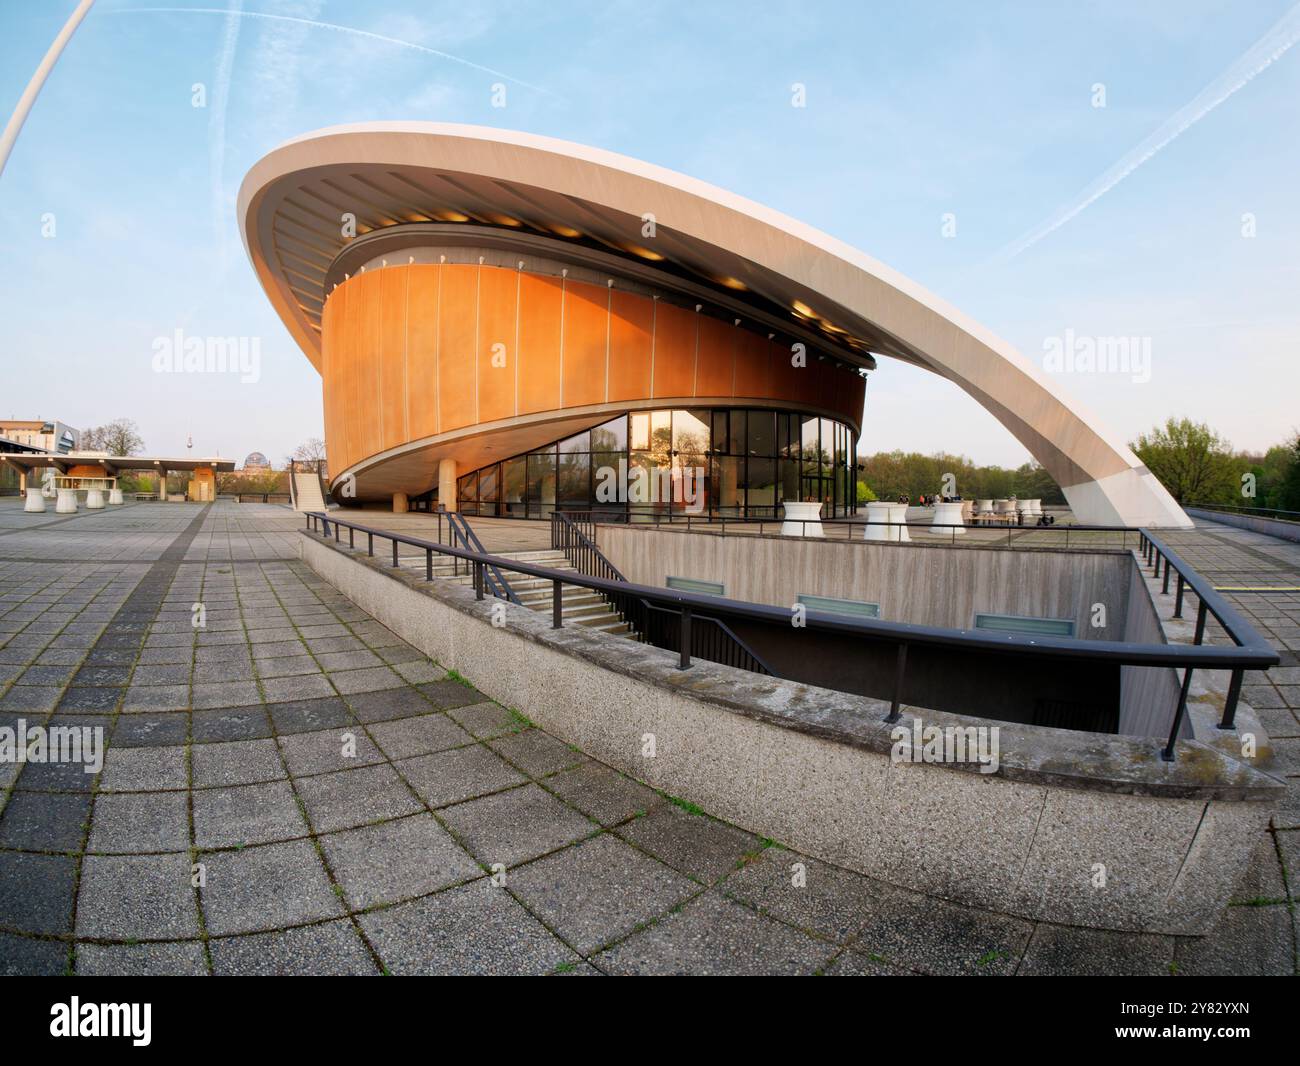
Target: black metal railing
1250,650
706,637
986,535
464,535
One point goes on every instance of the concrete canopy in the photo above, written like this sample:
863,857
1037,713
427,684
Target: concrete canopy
294,204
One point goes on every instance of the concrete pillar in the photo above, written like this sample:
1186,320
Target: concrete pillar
67,501
447,483
94,499
400,504
35,501
115,495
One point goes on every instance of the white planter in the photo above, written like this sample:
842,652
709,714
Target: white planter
1005,506
94,499
883,511
802,520
114,496
67,502
946,515
983,505
35,501
1031,507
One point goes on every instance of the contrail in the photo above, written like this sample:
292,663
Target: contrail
338,29
1255,60
217,128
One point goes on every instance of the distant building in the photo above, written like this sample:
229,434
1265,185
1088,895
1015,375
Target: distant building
49,436
22,434
256,462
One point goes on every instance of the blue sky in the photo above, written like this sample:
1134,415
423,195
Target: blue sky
914,111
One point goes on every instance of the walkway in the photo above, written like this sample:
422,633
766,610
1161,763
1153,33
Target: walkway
291,788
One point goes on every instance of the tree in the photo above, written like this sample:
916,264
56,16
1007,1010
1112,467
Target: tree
119,437
1288,492
1192,461
312,451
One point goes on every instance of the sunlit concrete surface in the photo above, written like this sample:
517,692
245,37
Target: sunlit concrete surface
226,747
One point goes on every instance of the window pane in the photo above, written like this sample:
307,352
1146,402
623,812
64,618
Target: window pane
608,470
573,486
762,433
541,483
514,474
736,438
690,438
661,436
487,485
611,437
760,497
579,442
719,442
728,493
641,431
808,436
649,486
788,488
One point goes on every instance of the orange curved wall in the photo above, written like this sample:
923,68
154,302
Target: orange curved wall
408,353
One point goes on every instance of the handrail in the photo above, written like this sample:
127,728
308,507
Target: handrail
585,556
1276,513
498,585
1250,652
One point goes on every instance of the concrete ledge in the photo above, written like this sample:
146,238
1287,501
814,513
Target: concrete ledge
1272,527
1078,828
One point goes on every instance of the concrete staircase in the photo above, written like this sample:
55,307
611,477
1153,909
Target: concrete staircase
306,492
580,606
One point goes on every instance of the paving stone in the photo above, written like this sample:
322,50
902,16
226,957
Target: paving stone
246,814
289,689
66,776
266,887
929,935
289,666
329,949
330,750
512,827
1248,941
22,956
852,963
474,929
136,897
423,735
803,892
282,649
1057,950
396,860
603,793
1262,879
373,679
225,694
459,774
169,674
151,730
713,935
538,754
144,769
183,959
692,843
135,822
308,716
355,797
30,698
449,694
389,705
231,723
36,892
90,699
599,891
140,698
418,671
44,821
236,762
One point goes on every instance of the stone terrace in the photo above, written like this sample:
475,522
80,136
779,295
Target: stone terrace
226,750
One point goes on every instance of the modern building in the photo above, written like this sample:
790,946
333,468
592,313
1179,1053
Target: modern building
509,324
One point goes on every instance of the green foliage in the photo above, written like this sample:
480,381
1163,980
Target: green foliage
865,495
894,474
1193,462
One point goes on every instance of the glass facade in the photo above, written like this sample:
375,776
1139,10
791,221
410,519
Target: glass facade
730,462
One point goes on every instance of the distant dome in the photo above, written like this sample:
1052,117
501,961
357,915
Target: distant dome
256,461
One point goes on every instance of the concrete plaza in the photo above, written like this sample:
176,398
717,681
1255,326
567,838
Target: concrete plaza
290,788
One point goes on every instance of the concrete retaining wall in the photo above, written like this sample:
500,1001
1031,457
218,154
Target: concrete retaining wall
924,584
1075,828
1272,527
